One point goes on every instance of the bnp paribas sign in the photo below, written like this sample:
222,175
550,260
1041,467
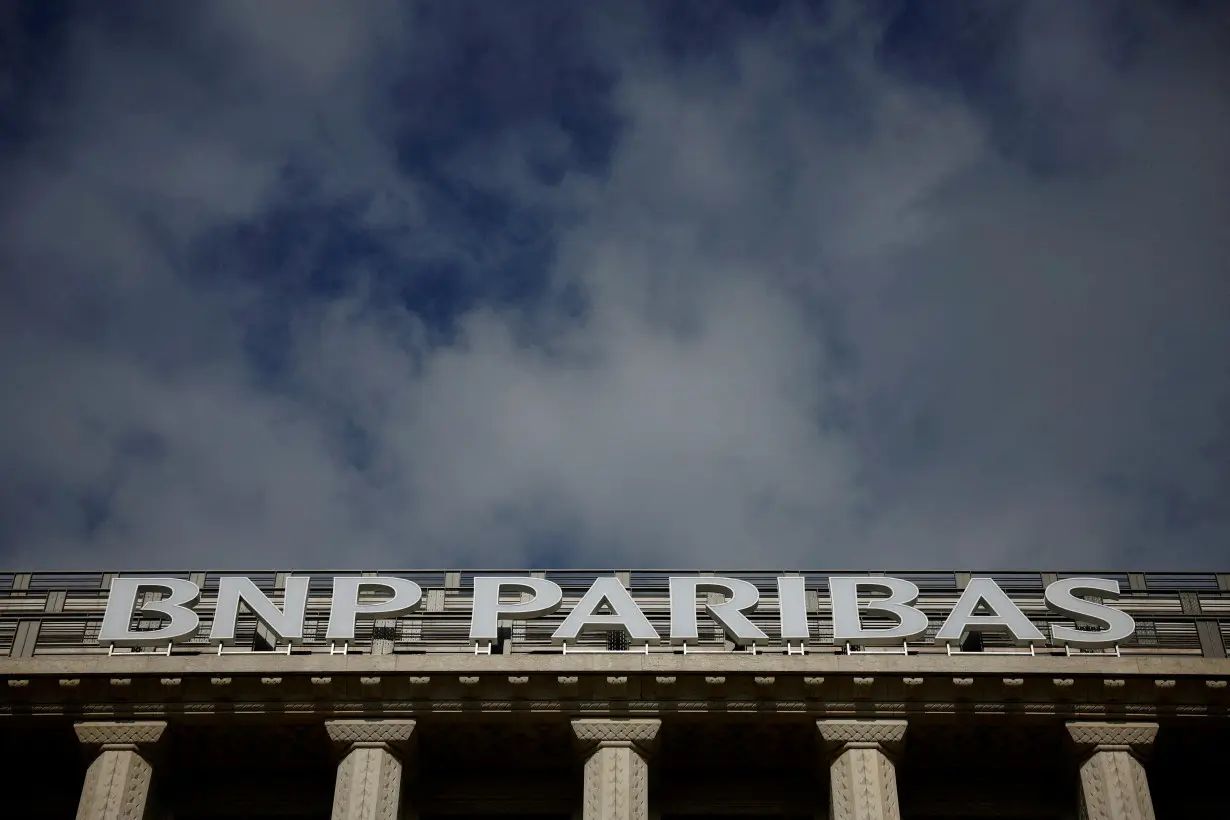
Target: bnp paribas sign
608,606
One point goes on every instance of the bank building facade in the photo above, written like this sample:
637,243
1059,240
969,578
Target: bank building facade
614,695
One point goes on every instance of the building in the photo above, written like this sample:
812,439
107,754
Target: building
752,694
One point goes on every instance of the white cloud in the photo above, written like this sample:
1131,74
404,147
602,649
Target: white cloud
828,319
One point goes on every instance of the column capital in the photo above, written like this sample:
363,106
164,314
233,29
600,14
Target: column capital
597,732
370,732
1094,736
120,734
887,735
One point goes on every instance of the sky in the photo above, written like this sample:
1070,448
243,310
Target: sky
878,285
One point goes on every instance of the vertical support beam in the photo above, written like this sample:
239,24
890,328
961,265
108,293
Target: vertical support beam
25,638
1209,632
370,774
1113,781
117,784
862,775
616,766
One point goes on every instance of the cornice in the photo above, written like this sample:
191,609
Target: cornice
351,694
820,662
817,685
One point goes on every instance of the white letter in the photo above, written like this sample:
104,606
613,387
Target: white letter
742,598
792,608
485,618
626,615
1004,616
181,595
406,597
848,623
287,624
1116,624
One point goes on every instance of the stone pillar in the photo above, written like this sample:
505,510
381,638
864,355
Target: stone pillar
862,776
616,766
369,776
117,784
1113,781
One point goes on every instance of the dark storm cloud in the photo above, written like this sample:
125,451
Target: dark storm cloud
673,284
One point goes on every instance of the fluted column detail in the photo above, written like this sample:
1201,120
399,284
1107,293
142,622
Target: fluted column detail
117,783
369,776
1113,781
862,775
616,767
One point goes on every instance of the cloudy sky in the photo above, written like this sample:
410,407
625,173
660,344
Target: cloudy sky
440,283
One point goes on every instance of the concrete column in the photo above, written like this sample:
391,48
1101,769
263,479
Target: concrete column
862,776
1113,781
117,784
369,776
616,767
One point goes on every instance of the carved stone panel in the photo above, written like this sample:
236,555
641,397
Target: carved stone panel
368,784
117,786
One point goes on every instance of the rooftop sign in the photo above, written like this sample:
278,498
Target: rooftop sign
864,610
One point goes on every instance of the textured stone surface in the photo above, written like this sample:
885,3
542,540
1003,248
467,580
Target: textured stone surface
609,729
1089,733
1114,785
368,785
863,786
116,787
133,732
862,777
862,731
369,731
616,772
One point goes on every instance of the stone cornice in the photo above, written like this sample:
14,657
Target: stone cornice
819,686
819,663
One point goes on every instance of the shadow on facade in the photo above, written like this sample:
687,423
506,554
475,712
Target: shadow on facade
245,770
44,767
967,767
472,768
749,767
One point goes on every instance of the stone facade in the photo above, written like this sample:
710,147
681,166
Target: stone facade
616,757
410,724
